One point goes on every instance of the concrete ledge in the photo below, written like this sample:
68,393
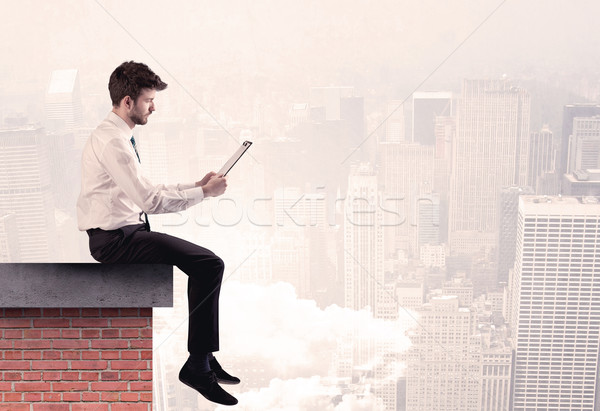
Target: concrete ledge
86,285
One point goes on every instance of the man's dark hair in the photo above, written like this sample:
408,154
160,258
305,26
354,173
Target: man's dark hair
129,79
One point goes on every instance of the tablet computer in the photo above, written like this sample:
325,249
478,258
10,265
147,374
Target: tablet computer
235,157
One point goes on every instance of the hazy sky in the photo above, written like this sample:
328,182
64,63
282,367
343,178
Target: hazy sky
300,42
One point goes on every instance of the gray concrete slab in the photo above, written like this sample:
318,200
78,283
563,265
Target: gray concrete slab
85,285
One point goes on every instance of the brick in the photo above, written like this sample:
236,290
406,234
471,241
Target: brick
13,355
129,375
90,406
146,312
9,334
71,312
33,344
109,396
90,355
111,333
52,396
109,386
69,376
14,323
6,386
130,333
13,396
14,365
109,376
71,396
146,333
89,322
130,355
50,333
32,334
129,365
110,355
129,312
89,376
86,333
51,312
51,376
110,344
90,312
130,396
32,396
70,386
32,386
32,355
90,396
129,322
66,344
51,407
131,407
50,365
32,376
146,355
6,344
110,312
52,355
70,333
89,365
13,312
51,323
141,386
32,312
146,396
71,355
146,375
141,344
12,376
14,407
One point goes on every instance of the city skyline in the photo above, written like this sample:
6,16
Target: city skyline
368,203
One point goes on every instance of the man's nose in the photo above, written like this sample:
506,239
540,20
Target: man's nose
152,107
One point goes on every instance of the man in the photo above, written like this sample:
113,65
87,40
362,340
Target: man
115,194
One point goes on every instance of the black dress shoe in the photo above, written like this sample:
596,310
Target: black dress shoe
222,376
206,384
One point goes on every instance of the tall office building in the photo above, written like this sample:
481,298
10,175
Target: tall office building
507,228
428,220
426,107
444,367
554,309
584,144
64,110
395,127
571,111
25,190
363,240
490,152
542,156
9,240
408,172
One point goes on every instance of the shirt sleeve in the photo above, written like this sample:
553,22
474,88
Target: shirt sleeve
123,167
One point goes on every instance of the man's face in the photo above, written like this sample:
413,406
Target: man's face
143,107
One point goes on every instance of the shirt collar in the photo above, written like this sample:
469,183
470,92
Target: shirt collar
120,123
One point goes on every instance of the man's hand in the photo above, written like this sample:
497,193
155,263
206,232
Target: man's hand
214,186
205,179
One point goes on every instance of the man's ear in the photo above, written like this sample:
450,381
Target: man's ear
127,102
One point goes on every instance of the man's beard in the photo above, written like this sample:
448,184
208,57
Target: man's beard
138,119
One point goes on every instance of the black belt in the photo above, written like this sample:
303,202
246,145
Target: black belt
93,231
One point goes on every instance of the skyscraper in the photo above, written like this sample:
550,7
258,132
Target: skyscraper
554,309
426,107
490,152
571,111
64,110
25,190
542,156
584,144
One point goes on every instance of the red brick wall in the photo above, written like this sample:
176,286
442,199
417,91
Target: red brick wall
96,359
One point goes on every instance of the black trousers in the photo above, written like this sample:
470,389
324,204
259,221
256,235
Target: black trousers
133,244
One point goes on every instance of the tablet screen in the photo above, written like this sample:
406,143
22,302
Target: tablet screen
235,157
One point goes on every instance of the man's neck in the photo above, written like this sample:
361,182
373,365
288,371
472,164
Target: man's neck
124,117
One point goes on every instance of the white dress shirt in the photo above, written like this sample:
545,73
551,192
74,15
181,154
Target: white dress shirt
114,189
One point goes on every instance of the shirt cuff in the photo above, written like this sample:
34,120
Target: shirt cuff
185,186
194,195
